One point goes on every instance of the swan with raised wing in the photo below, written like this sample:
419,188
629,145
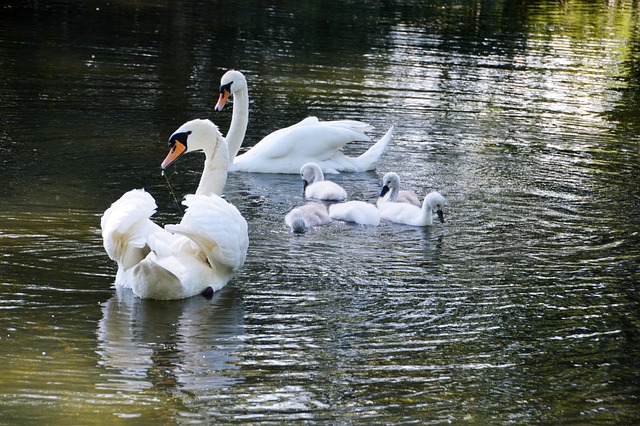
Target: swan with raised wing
197,256
287,149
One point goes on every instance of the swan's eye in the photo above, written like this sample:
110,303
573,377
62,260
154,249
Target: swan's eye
179,138
226,87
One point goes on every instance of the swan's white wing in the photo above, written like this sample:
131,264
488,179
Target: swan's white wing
409,197
404,196
358,126
318,141
306,122
126,228
131,207
217,227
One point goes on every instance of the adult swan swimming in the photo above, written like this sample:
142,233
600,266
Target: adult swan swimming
286,150
199,255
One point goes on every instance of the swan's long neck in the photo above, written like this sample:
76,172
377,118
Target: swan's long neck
239,122
214,174
318,176
426,215
393,195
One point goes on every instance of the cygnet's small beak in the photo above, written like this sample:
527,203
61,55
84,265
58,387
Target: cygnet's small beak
304,186
384,191
440,215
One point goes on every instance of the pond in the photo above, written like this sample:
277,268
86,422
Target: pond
523,307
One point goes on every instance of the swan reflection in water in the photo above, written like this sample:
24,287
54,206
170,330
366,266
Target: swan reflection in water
190,344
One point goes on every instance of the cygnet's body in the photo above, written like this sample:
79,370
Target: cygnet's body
391,192
415,216
355,211
304,217
315,187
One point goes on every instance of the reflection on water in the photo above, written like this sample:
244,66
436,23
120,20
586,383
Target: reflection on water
149,348
521,308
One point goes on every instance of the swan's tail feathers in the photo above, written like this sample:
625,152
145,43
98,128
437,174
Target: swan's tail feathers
126,227
217,227
369,159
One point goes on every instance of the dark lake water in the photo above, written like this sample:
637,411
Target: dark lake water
523,307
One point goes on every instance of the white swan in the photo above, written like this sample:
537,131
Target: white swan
199,255
355,211
304,217
391,186
315,187
409,214
286,150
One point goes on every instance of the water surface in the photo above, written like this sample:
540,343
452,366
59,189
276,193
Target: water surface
522,307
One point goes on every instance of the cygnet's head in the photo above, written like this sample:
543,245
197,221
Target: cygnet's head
296,221
389,181
436,203
311,172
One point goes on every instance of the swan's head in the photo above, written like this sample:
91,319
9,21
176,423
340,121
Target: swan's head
389,181
231,82
194,135
436,203
311,172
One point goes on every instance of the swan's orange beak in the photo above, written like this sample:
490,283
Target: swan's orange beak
176,150
222,99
